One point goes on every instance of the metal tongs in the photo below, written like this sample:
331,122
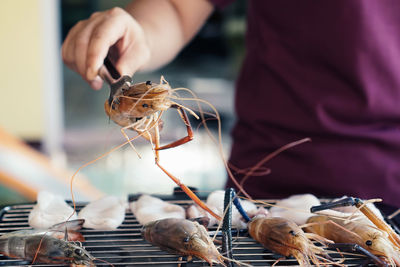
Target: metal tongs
118,84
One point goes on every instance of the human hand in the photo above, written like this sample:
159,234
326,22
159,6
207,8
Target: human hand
113,31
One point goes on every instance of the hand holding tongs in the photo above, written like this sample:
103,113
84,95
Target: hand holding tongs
117,83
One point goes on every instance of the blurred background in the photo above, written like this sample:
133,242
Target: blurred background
51,122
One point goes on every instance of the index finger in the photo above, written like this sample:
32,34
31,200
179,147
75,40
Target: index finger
105,35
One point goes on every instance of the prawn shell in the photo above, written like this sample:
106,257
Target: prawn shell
355,232
142,100
278,234
182,237
321,225
51,250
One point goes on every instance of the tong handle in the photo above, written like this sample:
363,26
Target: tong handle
111,69
108,72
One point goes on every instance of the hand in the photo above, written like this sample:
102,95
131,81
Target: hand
113,31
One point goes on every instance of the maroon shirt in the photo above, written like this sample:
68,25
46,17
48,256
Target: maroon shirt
328,70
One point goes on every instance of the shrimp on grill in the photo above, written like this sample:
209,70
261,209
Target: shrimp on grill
182,237
286,238
43,247
140,108
369,231
358,232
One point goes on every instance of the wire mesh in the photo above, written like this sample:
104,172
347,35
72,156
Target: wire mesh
126,247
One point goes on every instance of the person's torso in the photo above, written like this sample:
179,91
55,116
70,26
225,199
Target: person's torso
325,70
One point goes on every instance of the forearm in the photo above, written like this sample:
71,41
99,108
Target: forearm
168,25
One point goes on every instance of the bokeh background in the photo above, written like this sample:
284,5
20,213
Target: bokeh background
51,122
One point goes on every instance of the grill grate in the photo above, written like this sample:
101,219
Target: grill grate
125,246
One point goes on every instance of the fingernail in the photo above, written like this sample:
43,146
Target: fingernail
96,83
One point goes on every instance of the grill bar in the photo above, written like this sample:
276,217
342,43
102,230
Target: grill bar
125,246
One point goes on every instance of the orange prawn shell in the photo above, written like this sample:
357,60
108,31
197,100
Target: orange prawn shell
357,232
278,234
183,237
142,100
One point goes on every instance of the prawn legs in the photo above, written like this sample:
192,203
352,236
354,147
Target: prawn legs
358,203
179,142
140,108
369,232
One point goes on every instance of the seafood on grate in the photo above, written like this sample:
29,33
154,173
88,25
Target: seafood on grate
286,238
44,246
295,208
356,230
140,108
106,213
49,210
148,208
182,237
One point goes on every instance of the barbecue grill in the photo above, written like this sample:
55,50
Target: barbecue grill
125,246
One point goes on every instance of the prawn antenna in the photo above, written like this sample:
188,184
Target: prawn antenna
188,110
91,162
270,156
216,141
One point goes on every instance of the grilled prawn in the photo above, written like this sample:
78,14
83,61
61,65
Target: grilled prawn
182,237
357,231
44,248
140,108
284,237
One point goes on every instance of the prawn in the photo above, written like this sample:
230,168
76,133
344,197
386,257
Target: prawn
140,108
356,231
182,237
43,247
281,235
286,238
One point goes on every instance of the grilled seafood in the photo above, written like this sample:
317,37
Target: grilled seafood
148,208
49,210
285,237
106,213
43,247
182,237
140,108
357,231
295,208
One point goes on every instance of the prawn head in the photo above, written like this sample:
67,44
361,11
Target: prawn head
182,237
284,237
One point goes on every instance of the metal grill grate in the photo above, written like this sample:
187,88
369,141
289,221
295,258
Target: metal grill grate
125,246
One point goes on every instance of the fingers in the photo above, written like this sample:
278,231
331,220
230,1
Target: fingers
74,49
89,41
68,46
105,35
96,83
82,39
